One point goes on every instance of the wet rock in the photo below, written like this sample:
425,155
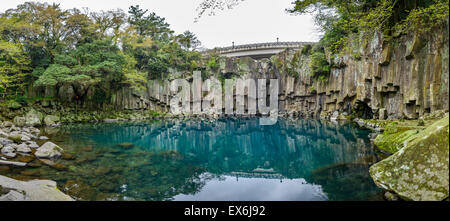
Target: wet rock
87,149
48,150
52,164
67,156
418,171
126,145
43,138
59,166
13,163
79,190
34,164
4,169
25,158
47,162
30,173
102,171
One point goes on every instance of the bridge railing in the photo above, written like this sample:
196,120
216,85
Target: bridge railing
260,46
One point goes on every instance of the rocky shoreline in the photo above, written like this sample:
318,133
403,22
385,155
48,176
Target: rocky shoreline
18,148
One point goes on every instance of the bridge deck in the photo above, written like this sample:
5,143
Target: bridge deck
259,50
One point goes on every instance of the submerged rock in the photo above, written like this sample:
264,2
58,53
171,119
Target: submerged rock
418,171
48,150
126,145
68,156
25,158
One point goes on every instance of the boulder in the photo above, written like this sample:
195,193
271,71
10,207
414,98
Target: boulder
23,148
7,124
419,170
48,150
43,138
9,151
3,134
32,144
13,105
34,190
25,137
51,120
5,141
33,118
19,121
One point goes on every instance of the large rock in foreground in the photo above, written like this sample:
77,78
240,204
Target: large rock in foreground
418,171
35,190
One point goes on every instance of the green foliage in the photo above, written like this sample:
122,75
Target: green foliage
306,49
14,68
100,95
346,22
423,19
53,75
318,64
188,40
45,45
99,61
21,100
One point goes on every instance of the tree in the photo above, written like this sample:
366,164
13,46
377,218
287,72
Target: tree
99,62
14,68
151,25
189,41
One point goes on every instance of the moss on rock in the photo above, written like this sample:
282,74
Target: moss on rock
418,171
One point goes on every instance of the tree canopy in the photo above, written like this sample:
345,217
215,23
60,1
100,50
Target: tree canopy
44,45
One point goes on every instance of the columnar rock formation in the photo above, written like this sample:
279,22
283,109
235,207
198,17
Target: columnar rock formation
405,79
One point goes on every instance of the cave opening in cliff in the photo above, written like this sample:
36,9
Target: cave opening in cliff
362,110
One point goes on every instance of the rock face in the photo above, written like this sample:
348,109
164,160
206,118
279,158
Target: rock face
48,150
407,80
35,190
418,171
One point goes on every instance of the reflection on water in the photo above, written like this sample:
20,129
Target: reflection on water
256,189
226,159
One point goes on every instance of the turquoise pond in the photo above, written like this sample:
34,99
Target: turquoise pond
225,159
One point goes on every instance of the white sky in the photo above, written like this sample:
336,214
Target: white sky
252,21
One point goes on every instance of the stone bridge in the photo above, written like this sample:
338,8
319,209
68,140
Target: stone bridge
259,50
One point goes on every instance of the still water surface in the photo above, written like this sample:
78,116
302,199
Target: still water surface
226,159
